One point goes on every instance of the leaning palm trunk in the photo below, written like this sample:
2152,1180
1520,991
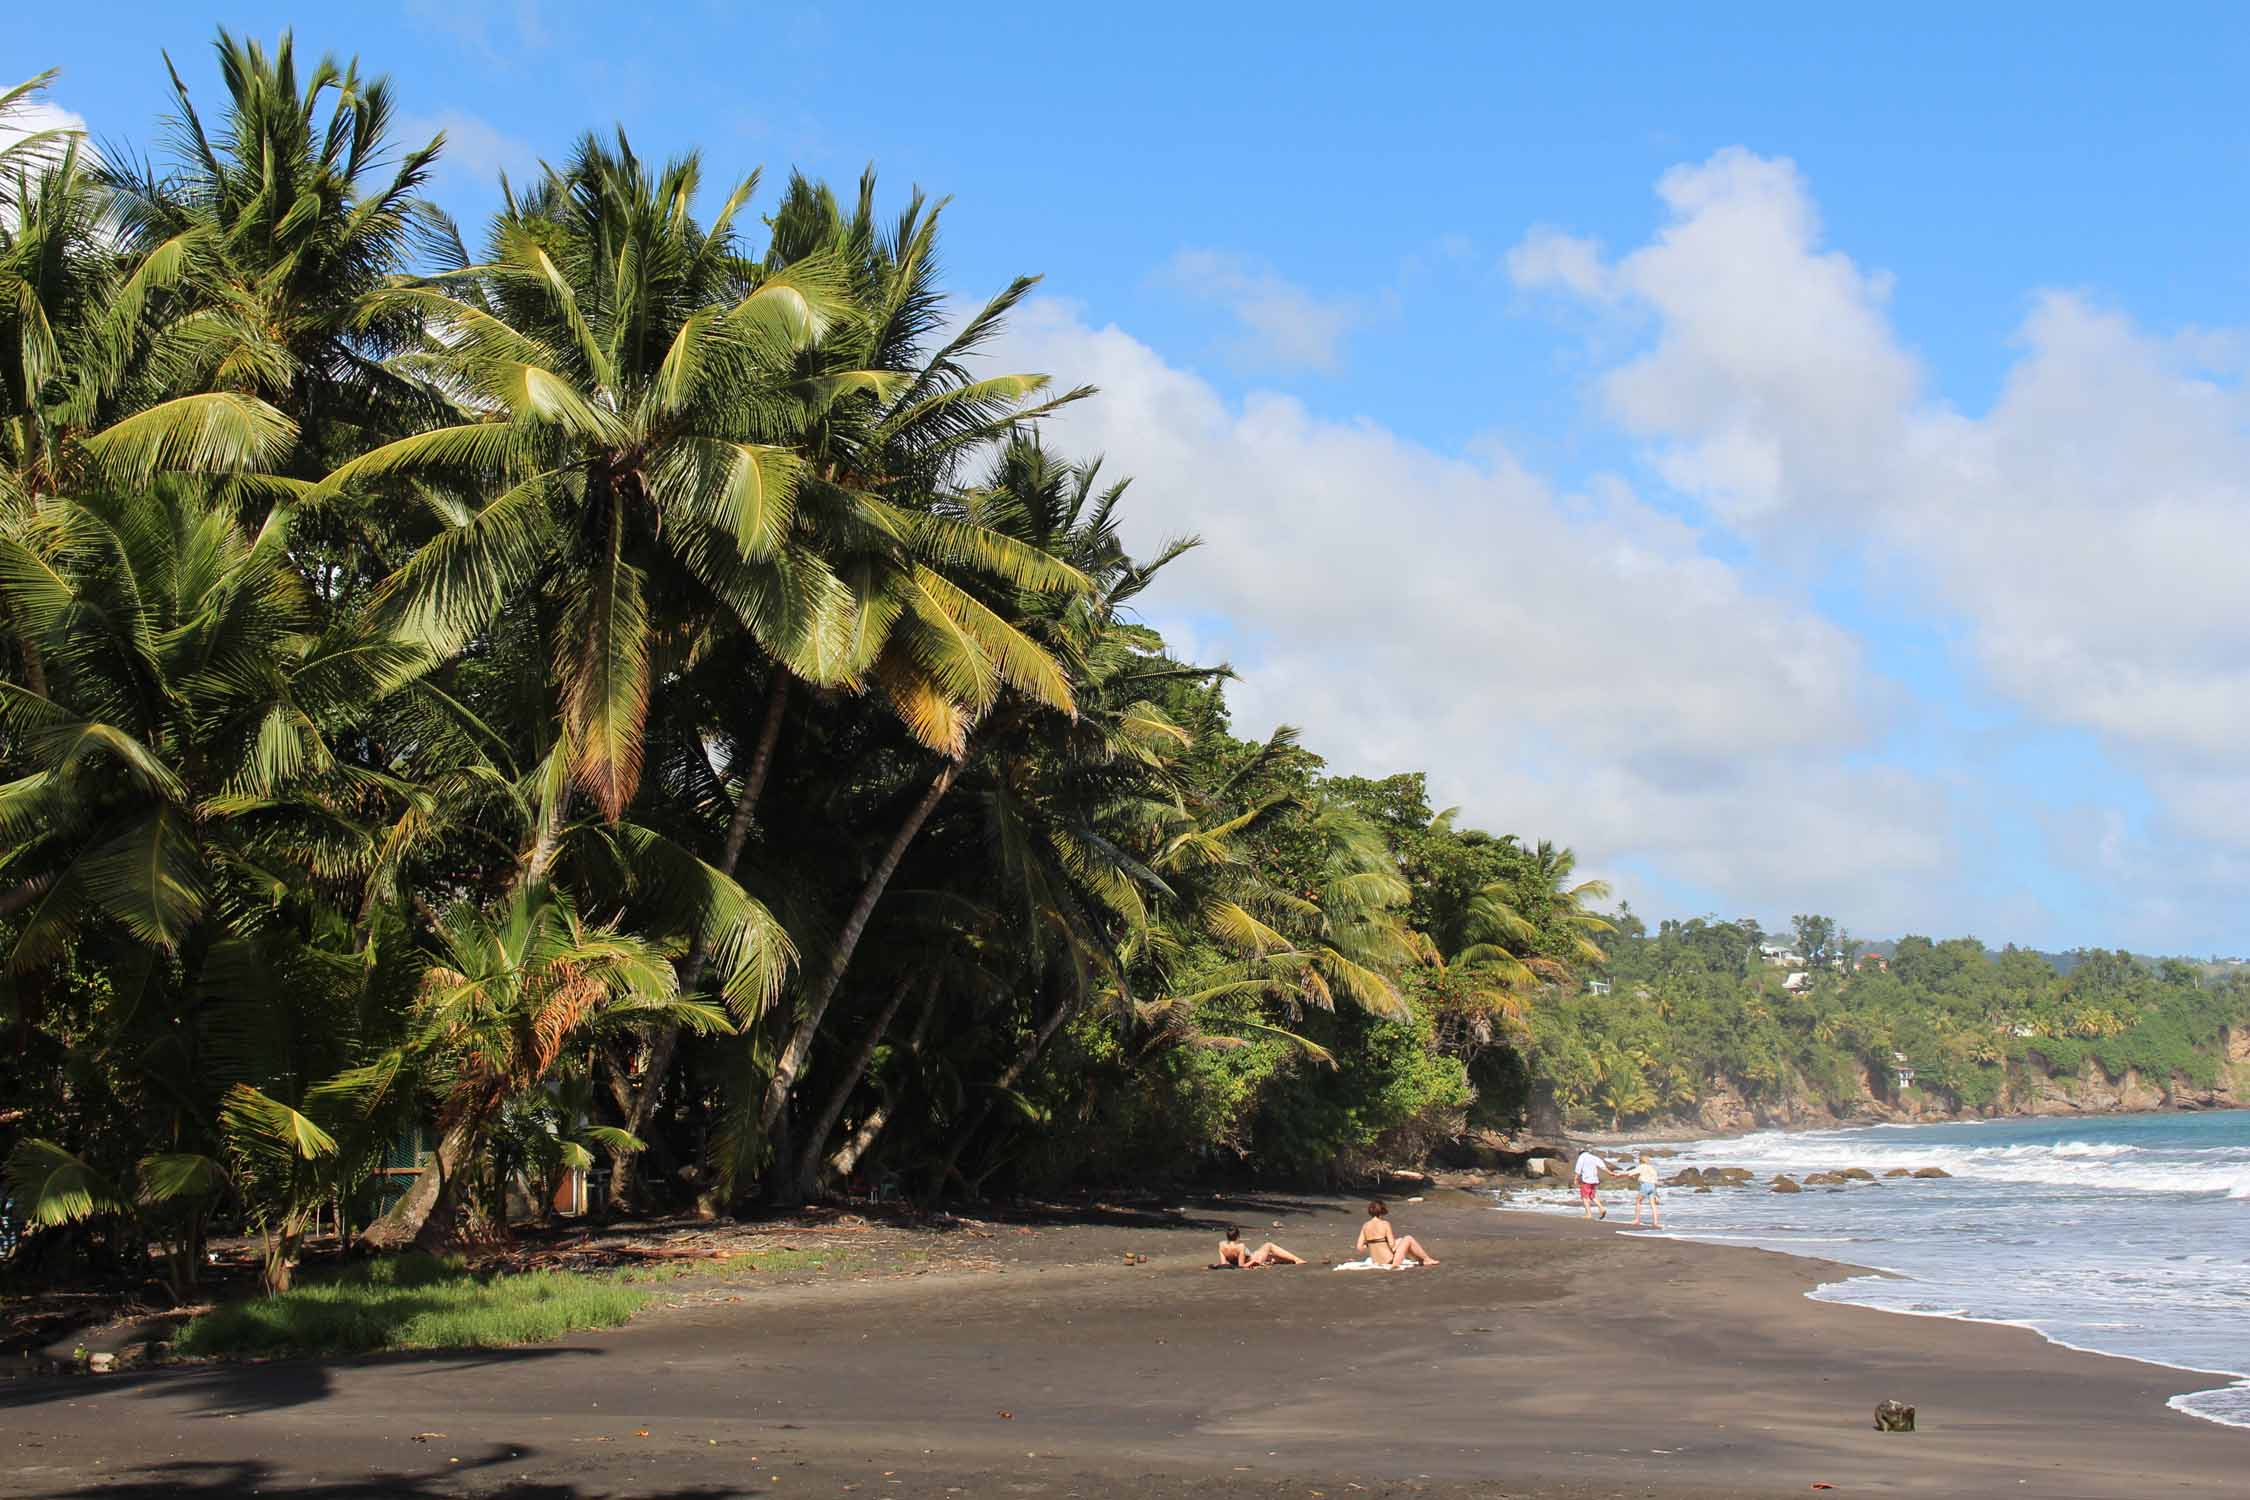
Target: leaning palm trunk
428,1217
854,1151
635,1094
791,1062
1007,1080
806,1180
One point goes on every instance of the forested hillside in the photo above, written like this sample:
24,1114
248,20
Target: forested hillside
1701,1027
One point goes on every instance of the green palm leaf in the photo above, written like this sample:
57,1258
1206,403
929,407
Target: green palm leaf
55,1187
214,433
151,877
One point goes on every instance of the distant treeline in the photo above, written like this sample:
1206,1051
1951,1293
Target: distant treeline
1701,1003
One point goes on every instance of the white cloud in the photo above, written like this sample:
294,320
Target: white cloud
2087,528
476,151
1567,665
499,30
32,116
1547,257
1281,326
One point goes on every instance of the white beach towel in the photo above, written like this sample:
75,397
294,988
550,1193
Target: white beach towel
1373,1265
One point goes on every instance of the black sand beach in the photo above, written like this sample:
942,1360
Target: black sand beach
1544,1358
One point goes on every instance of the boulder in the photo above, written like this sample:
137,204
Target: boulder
1932,1172
1824,1179
1898,1172
1856,1174
1703,1189
1786,1184
1686,1177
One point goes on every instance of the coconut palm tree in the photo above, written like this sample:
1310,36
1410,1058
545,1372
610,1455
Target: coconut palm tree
631,414
187,689
266,237
1543,913
510,991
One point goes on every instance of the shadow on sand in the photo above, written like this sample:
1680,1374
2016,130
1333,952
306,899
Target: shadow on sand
241,1477
230,1389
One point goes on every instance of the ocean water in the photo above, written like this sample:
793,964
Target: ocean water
2123,1234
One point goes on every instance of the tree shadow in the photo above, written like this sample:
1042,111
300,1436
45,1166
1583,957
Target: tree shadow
1210,1212
235,1389
226,1479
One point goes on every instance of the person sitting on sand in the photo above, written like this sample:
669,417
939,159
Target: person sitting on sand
1234,1255
1379,1245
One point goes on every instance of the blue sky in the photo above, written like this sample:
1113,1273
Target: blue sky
1856,407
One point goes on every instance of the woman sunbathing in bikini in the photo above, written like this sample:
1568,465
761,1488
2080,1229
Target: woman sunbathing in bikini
1379,1245
1234,1255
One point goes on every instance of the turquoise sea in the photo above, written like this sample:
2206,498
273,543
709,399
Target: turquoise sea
2124,1234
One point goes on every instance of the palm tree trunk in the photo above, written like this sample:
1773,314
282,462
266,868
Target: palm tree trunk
416,1219
1007,1080
854,1151
635,1094
791,1062
754,780
805,1181
34,663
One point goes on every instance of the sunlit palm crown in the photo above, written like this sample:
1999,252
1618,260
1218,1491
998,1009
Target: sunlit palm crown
658,420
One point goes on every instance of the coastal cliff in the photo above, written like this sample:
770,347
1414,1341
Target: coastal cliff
1726,1106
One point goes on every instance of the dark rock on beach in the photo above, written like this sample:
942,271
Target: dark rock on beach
1899,1172
1933,1172
1856,1174
1786,1184
1894,1416
1824,1179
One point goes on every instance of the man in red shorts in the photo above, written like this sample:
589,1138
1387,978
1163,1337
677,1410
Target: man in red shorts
1589,1174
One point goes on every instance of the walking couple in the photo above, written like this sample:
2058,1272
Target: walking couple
1589,1170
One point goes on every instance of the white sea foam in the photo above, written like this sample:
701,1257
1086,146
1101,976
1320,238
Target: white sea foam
2229,1405
2101,1164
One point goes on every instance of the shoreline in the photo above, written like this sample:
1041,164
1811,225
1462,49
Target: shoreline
1549,1358
2233,1379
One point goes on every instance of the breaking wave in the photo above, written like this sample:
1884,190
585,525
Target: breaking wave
2105,1164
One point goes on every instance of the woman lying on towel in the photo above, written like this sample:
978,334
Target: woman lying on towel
1382,1247
1236,1256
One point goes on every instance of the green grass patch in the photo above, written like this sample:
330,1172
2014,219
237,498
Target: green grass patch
412,1302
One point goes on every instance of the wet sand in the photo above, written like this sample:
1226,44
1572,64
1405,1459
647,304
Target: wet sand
1545,1358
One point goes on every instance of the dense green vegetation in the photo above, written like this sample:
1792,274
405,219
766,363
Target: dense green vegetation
1696,1004
637,693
